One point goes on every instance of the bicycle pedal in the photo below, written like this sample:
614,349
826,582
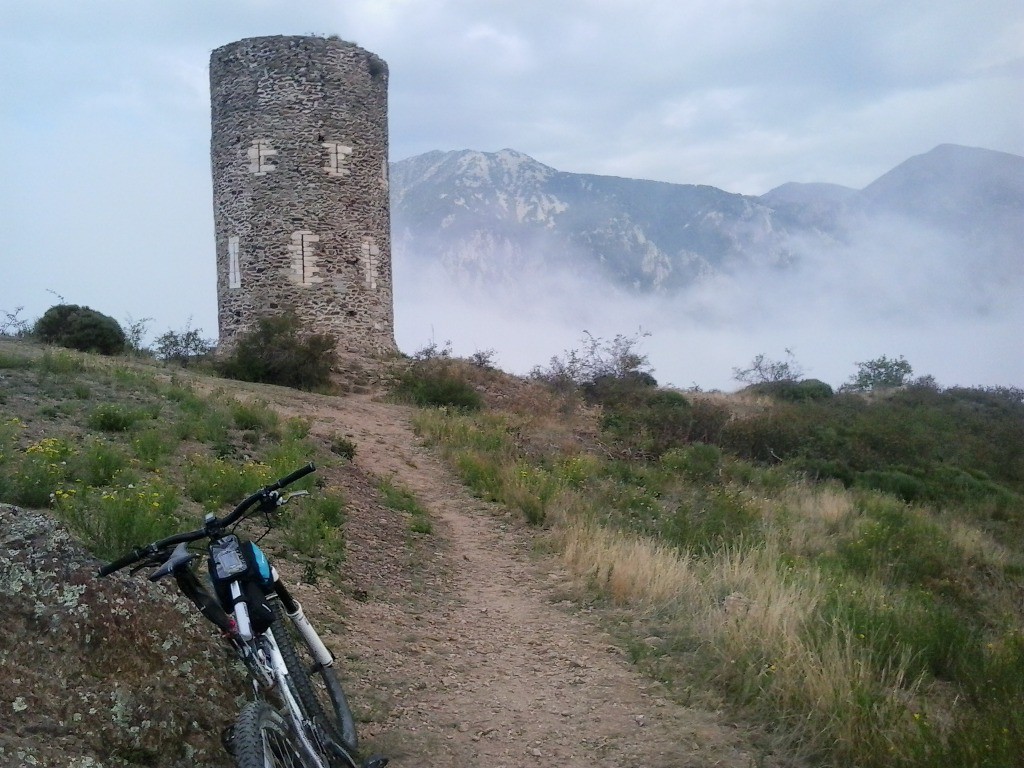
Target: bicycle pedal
376,761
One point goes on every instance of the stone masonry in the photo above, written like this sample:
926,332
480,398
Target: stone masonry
299,151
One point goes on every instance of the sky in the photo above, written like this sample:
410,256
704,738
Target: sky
106,193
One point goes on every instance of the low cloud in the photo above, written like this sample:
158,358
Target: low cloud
896,290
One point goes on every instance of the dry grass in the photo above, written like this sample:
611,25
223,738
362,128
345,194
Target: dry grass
758,621
630,570
812,516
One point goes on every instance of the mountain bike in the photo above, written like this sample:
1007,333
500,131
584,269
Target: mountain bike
299,715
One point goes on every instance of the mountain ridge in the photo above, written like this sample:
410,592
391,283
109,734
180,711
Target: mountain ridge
503,217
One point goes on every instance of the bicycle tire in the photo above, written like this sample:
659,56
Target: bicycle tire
318,688
261,738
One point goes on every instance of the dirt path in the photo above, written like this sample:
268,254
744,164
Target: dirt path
460,651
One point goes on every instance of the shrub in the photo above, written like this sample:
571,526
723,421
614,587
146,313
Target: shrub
699,463
881,373
433,383
81,328
764,370
111,417
597,359
343,447
279,351
152,446
98,463
257,416
114,520
214,482
793,391
182,347
655,422
314,529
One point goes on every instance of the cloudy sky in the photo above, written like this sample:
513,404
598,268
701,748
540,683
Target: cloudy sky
104,119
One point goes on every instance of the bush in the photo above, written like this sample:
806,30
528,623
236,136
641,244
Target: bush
794,391
81,328
279,351
598,359
764,370
434,383
111,417
183,346
881,373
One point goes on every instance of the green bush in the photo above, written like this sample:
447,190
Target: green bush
81,328
114,520
98,463
794,391
257,416
111,417
434,383
343,447
651,424
314,529
710,520
698,463
182,347
215,482
280,351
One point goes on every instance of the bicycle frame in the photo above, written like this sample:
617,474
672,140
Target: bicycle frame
262,657
240,572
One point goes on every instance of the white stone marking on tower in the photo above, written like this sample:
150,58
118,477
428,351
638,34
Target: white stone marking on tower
260,154
371,258
337,154
234,273
304,263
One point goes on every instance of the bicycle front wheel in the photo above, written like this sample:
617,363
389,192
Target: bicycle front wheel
261,738
318,687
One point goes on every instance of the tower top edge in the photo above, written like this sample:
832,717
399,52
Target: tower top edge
278,42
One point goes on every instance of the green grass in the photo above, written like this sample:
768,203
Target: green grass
861,624
399,498
125,457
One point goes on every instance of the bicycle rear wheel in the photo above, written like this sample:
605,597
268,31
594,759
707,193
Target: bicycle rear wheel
318,687
261,738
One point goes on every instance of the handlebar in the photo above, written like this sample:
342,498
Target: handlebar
211,526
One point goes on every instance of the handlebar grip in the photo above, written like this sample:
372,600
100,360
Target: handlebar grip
298,473
120,563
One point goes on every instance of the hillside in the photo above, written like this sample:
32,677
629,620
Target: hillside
579,567
463,644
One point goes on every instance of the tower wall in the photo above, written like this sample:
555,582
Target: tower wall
299,153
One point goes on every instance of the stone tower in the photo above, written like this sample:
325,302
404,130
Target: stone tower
299,150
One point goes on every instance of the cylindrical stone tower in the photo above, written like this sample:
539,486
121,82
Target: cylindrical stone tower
299,150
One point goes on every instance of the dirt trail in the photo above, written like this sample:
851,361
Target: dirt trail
459,652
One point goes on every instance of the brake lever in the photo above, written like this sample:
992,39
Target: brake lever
150,561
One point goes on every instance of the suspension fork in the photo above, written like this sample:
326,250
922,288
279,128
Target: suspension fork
294,610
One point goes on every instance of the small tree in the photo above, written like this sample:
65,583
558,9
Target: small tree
183,346
134,333
881,373
12,325
598,360
764,370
